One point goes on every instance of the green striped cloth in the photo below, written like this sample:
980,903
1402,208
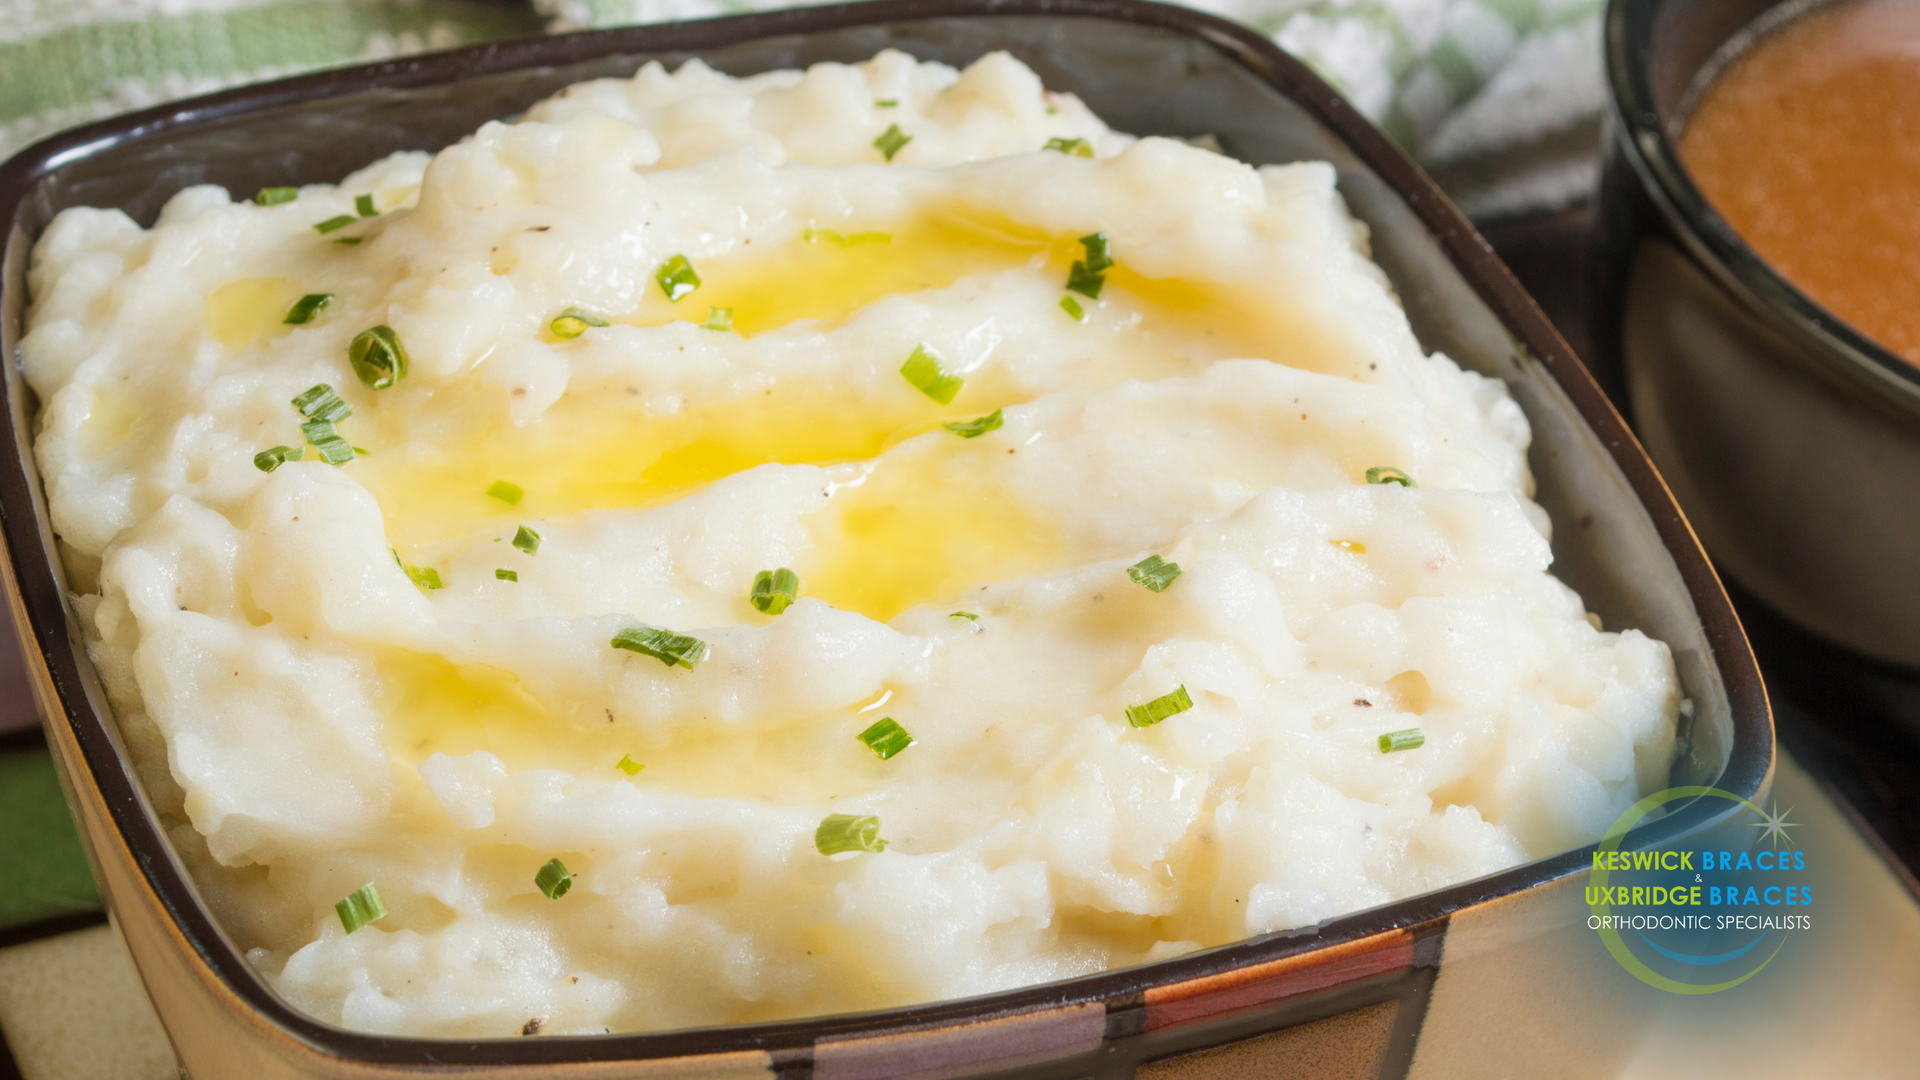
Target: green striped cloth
1416,66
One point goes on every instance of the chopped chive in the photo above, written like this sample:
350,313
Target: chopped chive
719,318
319,402
665,646
362,451
848,832
887,103
274,196
507,575
269,460
553,879
527,540
1075,147
305,308
1099,253
1159,708
334,450
377,357
349,241
891,141
973,429
332,224
573,322
426,577
627,765
1387,474
967,615
773,590
1410,739
1154,572
923,370
361,907
886,737
506,492
1084,281
363,205
1072,307
677,278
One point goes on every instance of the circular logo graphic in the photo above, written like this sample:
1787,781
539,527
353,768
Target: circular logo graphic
1719,908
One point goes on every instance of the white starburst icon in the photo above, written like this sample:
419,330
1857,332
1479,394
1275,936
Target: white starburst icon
1775,825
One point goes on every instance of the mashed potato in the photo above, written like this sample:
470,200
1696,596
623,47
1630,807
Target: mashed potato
400,669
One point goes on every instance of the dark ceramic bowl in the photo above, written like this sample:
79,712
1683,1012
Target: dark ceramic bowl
1788,436
1497,976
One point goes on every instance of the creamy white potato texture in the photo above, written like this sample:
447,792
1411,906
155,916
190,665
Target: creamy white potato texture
399,669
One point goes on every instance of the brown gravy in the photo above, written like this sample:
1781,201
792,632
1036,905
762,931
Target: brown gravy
1809,145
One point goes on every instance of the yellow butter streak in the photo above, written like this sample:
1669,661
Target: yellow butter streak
584,455
436,706
829,281
244,311
921,529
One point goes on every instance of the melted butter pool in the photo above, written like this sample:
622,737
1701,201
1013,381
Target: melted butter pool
244,311
436,706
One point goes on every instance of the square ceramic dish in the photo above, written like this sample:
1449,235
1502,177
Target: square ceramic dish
1497,976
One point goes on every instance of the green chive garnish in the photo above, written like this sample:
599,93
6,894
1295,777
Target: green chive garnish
426,577
663,645
967,615
1410,739
1387,474
627,765
338,221
361,907
1075,147
719,318
1159,708
1086,276
553,879
1154,572
508,493
923,370
973,429
507,575
527,540
305,308
886,737
1099,255
1072,307
887,103
848,832
269,460
349,241
319,402
1084,281
363,205
274,196
773,590
574,321
677,278
891,141
334,450
378,357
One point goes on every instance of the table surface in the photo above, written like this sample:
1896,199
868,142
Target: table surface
71,1007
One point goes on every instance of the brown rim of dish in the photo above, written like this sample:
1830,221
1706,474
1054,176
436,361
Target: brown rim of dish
1842,352
1748,767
